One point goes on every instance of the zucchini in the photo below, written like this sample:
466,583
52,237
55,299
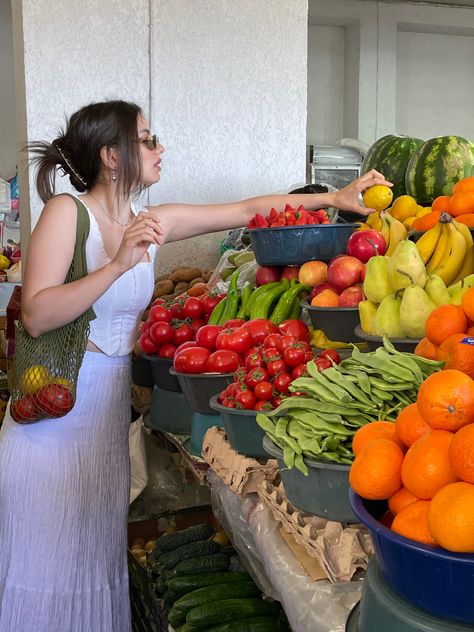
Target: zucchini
192,549
253,624
219,612
171,541
176,618
209,564
183,585
216,593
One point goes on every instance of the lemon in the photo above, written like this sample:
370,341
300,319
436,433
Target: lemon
408,222
34,378
62,380
378,197
4,262
404,207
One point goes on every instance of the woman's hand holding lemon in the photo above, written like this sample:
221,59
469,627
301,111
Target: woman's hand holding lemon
348,198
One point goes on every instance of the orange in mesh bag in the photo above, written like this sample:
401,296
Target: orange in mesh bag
44,375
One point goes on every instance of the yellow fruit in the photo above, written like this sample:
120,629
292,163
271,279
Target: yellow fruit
378,197
34,378
423,210
404,207
408,222
64,382
373,221
363,226
4,262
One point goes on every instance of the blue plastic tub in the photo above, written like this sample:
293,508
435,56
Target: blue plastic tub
294,245
160,369
169,412
200,424
430,578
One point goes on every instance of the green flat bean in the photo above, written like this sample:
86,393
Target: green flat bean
333,375
382,395
340,394
301,465
288,457
391,367
265,423
391,386
311,418
281,427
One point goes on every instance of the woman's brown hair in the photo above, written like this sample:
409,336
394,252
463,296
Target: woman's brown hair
77,149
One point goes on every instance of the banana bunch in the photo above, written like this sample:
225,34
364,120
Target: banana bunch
393,230
447,250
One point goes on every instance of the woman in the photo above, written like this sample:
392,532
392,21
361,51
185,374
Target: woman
64,484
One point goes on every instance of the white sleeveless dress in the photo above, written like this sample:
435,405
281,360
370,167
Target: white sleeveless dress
64,484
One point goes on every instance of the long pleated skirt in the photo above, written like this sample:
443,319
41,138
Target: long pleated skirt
64,493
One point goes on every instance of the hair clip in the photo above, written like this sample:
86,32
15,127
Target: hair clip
68,164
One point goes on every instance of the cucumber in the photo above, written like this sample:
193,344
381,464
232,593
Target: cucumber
169,598
209,564
183,585
209,594
176,618
171,541
219,612
253,624
192,549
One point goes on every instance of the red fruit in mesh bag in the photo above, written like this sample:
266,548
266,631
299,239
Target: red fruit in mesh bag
24,409
54,400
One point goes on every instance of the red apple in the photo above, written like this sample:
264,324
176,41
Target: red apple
344,271
351,296
267,274
24,409
364,244
290,272
54,400
317,289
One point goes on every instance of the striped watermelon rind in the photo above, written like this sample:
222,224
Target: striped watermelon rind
390,156
437,165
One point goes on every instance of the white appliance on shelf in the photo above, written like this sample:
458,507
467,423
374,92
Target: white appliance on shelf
335,164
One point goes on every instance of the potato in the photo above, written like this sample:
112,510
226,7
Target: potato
184,273
181,287
162,277
196,280
163,287
206,275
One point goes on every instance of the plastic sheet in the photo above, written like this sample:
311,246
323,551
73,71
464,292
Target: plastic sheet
310,606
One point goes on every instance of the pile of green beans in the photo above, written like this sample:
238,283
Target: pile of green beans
364,387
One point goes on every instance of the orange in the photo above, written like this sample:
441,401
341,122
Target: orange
467,218
410,425
451,517
440,203
412,522
461,453
326,298
466,184
426,349
461,202
446,400
374,430
467,303
376,471
427,468
469,331
443,321
401,499
457,354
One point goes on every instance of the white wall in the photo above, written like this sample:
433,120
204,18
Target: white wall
8,147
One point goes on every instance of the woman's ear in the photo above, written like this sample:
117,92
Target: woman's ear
109,157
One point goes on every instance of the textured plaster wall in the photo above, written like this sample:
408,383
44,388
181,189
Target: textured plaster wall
229,102
7,103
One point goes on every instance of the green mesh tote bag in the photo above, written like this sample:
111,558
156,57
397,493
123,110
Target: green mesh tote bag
45,369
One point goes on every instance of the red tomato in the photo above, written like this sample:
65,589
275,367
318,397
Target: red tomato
253,360
223,361
159,301
228,402
276,366
147,345
294,327
54,400
234,322
330,354
271,340
246,400
255,376
161,332
167,350
191,360
276,401
282,381
183,333
262,405
209,301
145,327
293,355
177,309
158,313
309,355
238,340
192,308
264,391
299,371
197,324
271,354
260,328
206,336
322,364
285,341
257,349
187,345
24,409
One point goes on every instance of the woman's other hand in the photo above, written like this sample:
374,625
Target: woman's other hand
348,198
143,231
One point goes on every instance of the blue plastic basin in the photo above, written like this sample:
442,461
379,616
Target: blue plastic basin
294,245
430,578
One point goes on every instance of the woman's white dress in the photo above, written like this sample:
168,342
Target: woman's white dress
64,484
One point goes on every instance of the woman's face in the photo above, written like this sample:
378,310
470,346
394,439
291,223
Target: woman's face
151,156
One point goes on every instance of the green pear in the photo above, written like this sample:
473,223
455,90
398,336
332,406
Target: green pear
386,321
465,283
367,311
456,296
406,266
376,284
436,289
415,308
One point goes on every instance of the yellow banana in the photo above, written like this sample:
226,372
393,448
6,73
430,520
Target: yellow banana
452,263
464,230
373,220
428,241
397,232
442,249
467,267
385,229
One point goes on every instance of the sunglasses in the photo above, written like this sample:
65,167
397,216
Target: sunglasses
150,143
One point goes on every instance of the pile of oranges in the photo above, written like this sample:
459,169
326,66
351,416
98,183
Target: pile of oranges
449,335
423,464
460,204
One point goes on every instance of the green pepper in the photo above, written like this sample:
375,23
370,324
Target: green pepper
246,294
262,304
217,312
285,303
232,304
256,294
295,311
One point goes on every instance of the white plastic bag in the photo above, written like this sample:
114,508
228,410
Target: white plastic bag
138,468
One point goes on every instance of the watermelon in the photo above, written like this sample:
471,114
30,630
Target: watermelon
390,156
437,165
